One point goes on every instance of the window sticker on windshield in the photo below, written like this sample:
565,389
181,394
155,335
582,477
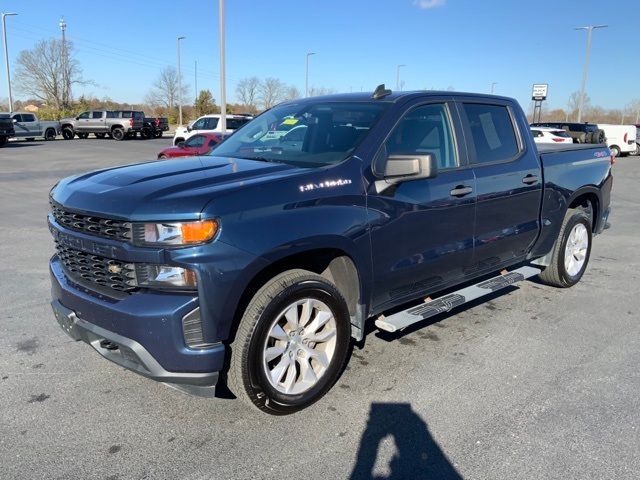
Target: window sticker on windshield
489,130
290,121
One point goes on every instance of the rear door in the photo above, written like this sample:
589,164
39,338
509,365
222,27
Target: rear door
508,182
422,230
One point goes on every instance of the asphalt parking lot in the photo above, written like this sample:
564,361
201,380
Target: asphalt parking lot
535,383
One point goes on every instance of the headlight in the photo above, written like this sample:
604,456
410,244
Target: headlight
165,276
180,233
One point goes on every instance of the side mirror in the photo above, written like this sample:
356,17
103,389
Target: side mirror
180,145
404,168
189,128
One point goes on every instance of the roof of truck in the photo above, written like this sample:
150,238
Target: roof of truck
396,96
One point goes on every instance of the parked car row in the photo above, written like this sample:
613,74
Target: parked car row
621,139
116,124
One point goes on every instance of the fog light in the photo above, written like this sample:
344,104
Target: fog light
165,276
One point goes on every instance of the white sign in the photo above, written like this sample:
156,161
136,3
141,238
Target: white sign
539,91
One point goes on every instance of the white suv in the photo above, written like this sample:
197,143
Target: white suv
209,124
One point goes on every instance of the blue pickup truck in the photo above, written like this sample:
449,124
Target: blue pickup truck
257,266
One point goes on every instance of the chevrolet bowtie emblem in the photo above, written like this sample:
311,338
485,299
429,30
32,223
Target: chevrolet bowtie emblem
114,268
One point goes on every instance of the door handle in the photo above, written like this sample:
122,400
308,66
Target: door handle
530,179
461,191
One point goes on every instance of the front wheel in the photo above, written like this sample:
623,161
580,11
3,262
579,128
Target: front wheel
50,134
571,251
291,344
67,133
117,133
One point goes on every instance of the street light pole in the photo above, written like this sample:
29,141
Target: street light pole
493,87
6,56
306,74
223,86
398,76
65,80
179,81
585,72
196,81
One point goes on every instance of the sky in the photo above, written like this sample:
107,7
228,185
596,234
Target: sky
461,44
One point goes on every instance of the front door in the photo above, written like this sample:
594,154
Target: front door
82,122
422,230
508,182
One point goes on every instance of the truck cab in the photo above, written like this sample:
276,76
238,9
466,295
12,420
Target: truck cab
258,264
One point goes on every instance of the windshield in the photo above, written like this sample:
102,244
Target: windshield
305,134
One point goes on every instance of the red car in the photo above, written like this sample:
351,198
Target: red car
199,144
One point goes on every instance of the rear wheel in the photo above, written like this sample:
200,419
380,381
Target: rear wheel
67,133
146,133
291,343
615,150
50,134
162,157
571,251
3,141
117,133
158,134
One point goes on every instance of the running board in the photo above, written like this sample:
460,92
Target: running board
417,313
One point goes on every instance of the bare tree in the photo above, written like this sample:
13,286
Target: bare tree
272,91
247,91
164,91
574,102
42,71
292,93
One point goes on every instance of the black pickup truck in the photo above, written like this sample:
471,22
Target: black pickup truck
154,127
257,266
6,129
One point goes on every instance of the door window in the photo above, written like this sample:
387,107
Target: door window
83,116
425,130
28,117
195,141
492,132
17,117
97,115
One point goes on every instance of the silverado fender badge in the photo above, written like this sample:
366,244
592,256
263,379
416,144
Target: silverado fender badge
326,184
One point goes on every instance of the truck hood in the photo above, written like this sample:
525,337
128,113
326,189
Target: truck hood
164,190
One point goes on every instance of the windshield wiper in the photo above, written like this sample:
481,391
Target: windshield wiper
258,159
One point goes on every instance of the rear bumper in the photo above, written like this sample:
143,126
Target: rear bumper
142,332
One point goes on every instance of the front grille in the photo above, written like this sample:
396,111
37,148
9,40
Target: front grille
92,225
97,270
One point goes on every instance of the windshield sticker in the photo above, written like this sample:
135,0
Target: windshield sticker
326,184
290,121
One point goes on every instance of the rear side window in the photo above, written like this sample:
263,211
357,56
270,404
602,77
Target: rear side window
112,114
96,115
28,117
235,123
425,130
492,131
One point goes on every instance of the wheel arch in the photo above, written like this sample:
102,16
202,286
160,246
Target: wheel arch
588,197
334,264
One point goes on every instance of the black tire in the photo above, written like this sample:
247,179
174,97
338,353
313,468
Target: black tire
100,135
67,133
601,137
556,273
50,134
247,376
162,157
615,150
82,135
158,134
118,133
146,133
3,141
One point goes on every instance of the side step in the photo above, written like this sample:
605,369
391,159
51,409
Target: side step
417,313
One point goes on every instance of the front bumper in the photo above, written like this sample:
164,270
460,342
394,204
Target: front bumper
142,332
